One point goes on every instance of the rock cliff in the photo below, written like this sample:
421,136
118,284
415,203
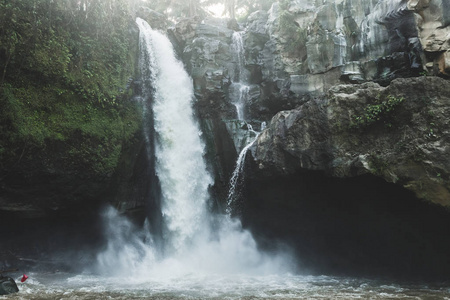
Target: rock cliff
399,133
297,55
301,48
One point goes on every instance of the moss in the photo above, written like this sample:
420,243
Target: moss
378,166
64,93
91,134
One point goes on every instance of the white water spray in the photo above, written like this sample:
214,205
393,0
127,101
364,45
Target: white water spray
193,246
179,150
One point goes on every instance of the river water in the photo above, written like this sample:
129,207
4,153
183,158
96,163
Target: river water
209,286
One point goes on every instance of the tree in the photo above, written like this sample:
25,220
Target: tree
231,7
243,7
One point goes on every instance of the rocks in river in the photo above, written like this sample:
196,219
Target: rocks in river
7,285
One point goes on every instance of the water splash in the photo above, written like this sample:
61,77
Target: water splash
263,125
193,244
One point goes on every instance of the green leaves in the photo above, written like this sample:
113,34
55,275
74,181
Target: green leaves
64,42
64,71
376,112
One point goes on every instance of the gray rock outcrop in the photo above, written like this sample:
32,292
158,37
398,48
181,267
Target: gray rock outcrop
298,51
7,285
400,133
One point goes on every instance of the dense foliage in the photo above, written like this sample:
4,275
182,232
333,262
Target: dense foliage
65,69
65,66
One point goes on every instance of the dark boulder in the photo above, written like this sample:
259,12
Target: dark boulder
7,285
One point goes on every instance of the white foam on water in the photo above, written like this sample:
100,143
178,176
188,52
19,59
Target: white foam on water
196,286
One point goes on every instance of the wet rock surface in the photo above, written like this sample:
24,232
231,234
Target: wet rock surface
405,144
7,285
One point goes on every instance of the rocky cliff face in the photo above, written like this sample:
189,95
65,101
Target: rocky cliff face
298,51
399,133
301,48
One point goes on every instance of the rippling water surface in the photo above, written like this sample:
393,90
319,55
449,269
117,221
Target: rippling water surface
194,286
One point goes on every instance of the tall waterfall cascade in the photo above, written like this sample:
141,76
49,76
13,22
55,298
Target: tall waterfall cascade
196,241
239,88
239,94
179,150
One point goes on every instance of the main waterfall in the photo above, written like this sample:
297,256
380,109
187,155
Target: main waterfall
179,150
195,241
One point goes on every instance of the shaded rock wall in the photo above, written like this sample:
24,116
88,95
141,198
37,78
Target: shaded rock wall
347,195
361,226
405,144
294,54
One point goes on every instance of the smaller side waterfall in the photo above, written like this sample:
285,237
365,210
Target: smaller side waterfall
239,89
239,93
239,74
239,96
238,174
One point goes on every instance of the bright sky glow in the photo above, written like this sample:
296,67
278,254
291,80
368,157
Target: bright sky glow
217,10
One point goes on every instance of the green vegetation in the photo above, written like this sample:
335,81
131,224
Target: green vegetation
377,164
64,69
381,110
84,50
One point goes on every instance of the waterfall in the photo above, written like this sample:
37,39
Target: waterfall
239,89
239,94
178,148
195,240
237,176
238,50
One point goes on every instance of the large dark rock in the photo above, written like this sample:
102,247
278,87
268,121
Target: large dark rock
7,285
360,226
367,129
